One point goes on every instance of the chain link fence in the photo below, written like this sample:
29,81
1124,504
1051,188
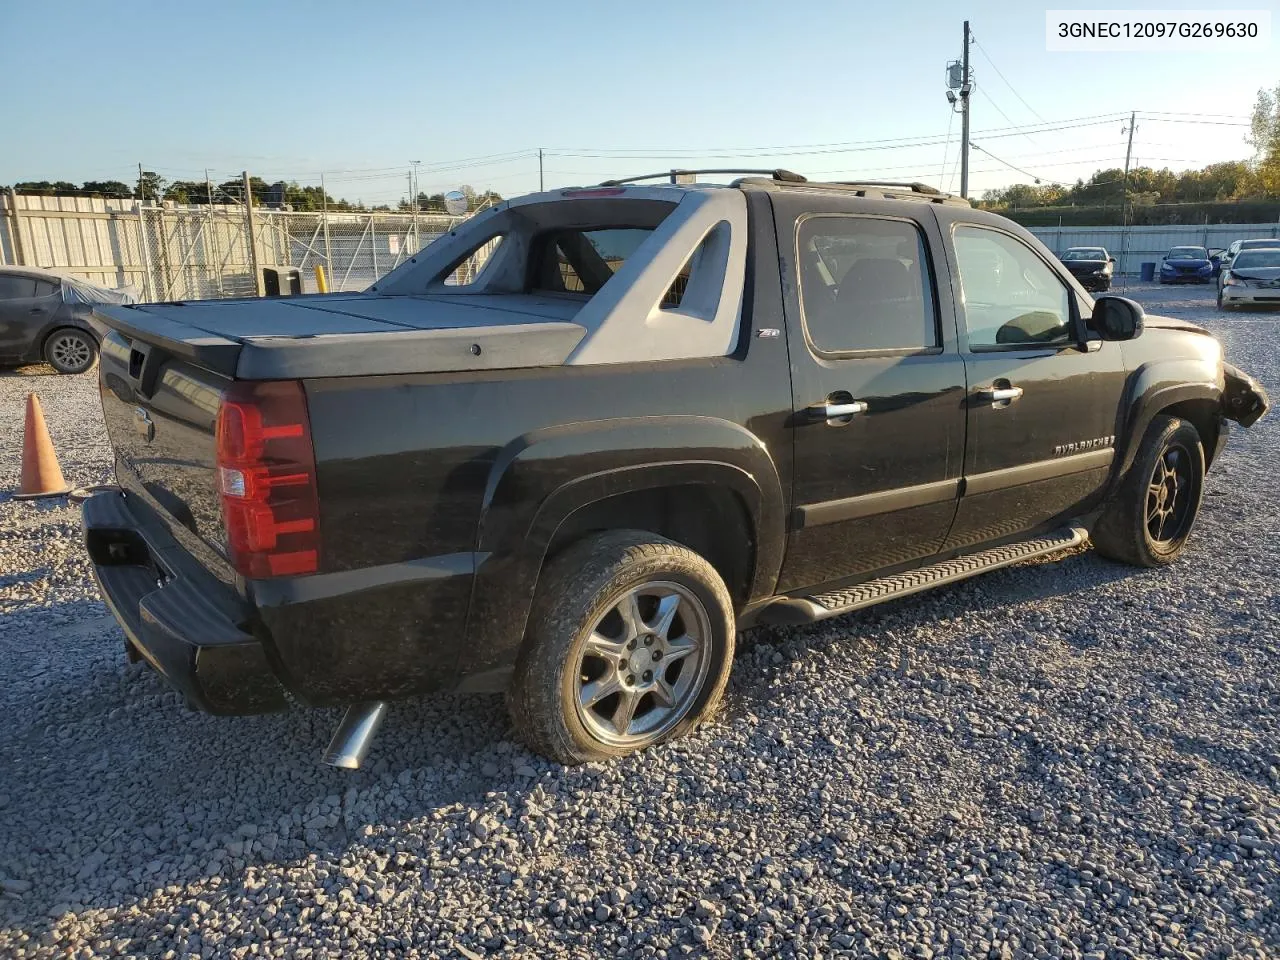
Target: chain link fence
199,253
202,252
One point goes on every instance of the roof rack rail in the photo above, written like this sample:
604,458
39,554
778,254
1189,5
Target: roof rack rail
914,186
786,176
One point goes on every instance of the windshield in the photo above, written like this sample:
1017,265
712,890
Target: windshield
1188,253
1257,258
1085,253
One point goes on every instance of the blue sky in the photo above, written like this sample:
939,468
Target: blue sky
291,89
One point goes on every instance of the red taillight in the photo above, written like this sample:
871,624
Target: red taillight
267,479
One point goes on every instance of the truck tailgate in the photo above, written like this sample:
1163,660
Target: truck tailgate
160,411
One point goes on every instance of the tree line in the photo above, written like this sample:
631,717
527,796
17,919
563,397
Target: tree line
1235,180
153,188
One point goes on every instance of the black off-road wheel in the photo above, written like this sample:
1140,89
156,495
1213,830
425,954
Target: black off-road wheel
630,643
70,350
1148,520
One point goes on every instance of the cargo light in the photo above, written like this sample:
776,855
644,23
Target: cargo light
267,479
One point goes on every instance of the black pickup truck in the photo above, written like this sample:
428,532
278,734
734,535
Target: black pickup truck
571,448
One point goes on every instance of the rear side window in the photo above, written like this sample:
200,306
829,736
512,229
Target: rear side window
583,261
866,284
16,288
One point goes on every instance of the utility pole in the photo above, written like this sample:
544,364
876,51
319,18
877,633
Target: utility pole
414,196
142,186
210,241
966,87
253,240
541,186
1124,194
324,216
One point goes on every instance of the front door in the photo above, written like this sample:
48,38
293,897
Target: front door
1043,398
878,389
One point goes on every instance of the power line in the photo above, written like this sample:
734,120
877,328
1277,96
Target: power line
1019,169
991,101
659,152
987,56
1208,123
951,117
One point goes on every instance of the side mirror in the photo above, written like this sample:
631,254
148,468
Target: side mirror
1111,259
1117,318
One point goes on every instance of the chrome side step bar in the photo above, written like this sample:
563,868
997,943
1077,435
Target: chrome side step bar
352,739
834,603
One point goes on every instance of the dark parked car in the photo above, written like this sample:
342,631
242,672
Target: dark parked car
1187,265
656,415
46,317
1092,266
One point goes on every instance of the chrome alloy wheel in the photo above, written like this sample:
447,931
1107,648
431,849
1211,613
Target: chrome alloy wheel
643,663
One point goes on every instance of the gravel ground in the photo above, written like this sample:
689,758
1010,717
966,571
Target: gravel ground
1063,759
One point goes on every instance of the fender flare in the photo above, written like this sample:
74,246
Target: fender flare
1157,386
540,480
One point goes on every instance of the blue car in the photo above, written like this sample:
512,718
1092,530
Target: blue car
1186,265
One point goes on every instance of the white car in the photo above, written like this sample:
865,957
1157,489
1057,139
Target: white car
1229,254
1253,279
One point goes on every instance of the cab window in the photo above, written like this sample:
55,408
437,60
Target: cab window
866,284
1011,297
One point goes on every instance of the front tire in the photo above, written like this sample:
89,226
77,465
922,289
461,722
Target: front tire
1148,520
70,351
630,643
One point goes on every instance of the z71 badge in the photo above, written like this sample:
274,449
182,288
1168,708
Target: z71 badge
1081,445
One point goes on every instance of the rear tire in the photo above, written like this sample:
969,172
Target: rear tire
70,351
1149,518
630,643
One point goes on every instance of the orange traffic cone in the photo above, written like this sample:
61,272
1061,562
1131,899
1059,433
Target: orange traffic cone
41,475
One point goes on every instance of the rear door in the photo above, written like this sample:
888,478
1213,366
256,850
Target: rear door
878,387
26,307
1043,398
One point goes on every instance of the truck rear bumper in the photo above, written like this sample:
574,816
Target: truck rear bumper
184,621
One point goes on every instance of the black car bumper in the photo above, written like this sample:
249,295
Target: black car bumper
184,621
1186,278
1243,399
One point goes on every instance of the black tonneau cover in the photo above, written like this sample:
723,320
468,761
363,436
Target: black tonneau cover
355,334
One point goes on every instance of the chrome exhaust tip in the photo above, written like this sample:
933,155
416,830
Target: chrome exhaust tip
355,734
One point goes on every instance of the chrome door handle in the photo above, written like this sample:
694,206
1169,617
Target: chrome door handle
1001,394
833,411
